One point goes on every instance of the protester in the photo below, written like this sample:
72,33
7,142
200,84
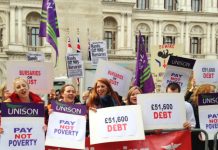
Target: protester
68,95
202,89
102,95
132,95
4,92
22,94
85,96
190,91
190,118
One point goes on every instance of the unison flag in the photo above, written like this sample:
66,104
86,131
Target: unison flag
78,45
49,24
143,76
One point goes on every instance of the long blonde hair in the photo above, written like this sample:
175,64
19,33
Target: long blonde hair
130,93
204,88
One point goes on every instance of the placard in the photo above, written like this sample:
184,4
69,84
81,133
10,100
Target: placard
66,126
23,126
39,75
162,110
206,71
98,51
35,56
208,113
178,70
121,123
119,77
75,67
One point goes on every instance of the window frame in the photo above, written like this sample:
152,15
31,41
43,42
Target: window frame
195,45
142,4
38,41
171,5
169,40
196,5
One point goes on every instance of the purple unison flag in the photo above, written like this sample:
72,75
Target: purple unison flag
49,24
143,76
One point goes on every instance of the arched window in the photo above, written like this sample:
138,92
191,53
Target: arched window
110,32
196,40
145,31
169,34
33,39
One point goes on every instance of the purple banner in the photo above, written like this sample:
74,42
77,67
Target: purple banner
76,109
22,110
181,62
208,99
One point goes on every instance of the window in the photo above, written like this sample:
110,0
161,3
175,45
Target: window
142,4
196,5
145,37
170,4
33,37
109,0
168,40
109,37
195,45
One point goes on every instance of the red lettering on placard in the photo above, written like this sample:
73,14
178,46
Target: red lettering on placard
208,75
162,115
116,127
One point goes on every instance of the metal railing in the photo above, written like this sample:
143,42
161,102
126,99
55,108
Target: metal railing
215,141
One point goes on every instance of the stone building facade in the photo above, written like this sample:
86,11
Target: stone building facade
192,23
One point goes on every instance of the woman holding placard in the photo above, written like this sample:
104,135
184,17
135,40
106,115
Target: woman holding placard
202,89
22,94
132,95
102,95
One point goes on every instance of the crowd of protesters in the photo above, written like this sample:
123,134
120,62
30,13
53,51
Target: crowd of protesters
102,95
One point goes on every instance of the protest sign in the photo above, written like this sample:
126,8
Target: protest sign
98,51
35,56
119,77
123,123
23,126
160,55
39,75
208,113
206,71
66,126
74,64
178,70
162,110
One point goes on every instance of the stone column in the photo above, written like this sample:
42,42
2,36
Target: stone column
118,36
129,30
6,29
12,24
187,39
182,33
122,30
188,5
155,32
213,39
208,39
20,40
160,38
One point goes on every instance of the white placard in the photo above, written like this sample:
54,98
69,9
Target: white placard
22,133
178,75
35,56
121,123
39,75
208,118
206,71
98,51
119,77
162,110
66,130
